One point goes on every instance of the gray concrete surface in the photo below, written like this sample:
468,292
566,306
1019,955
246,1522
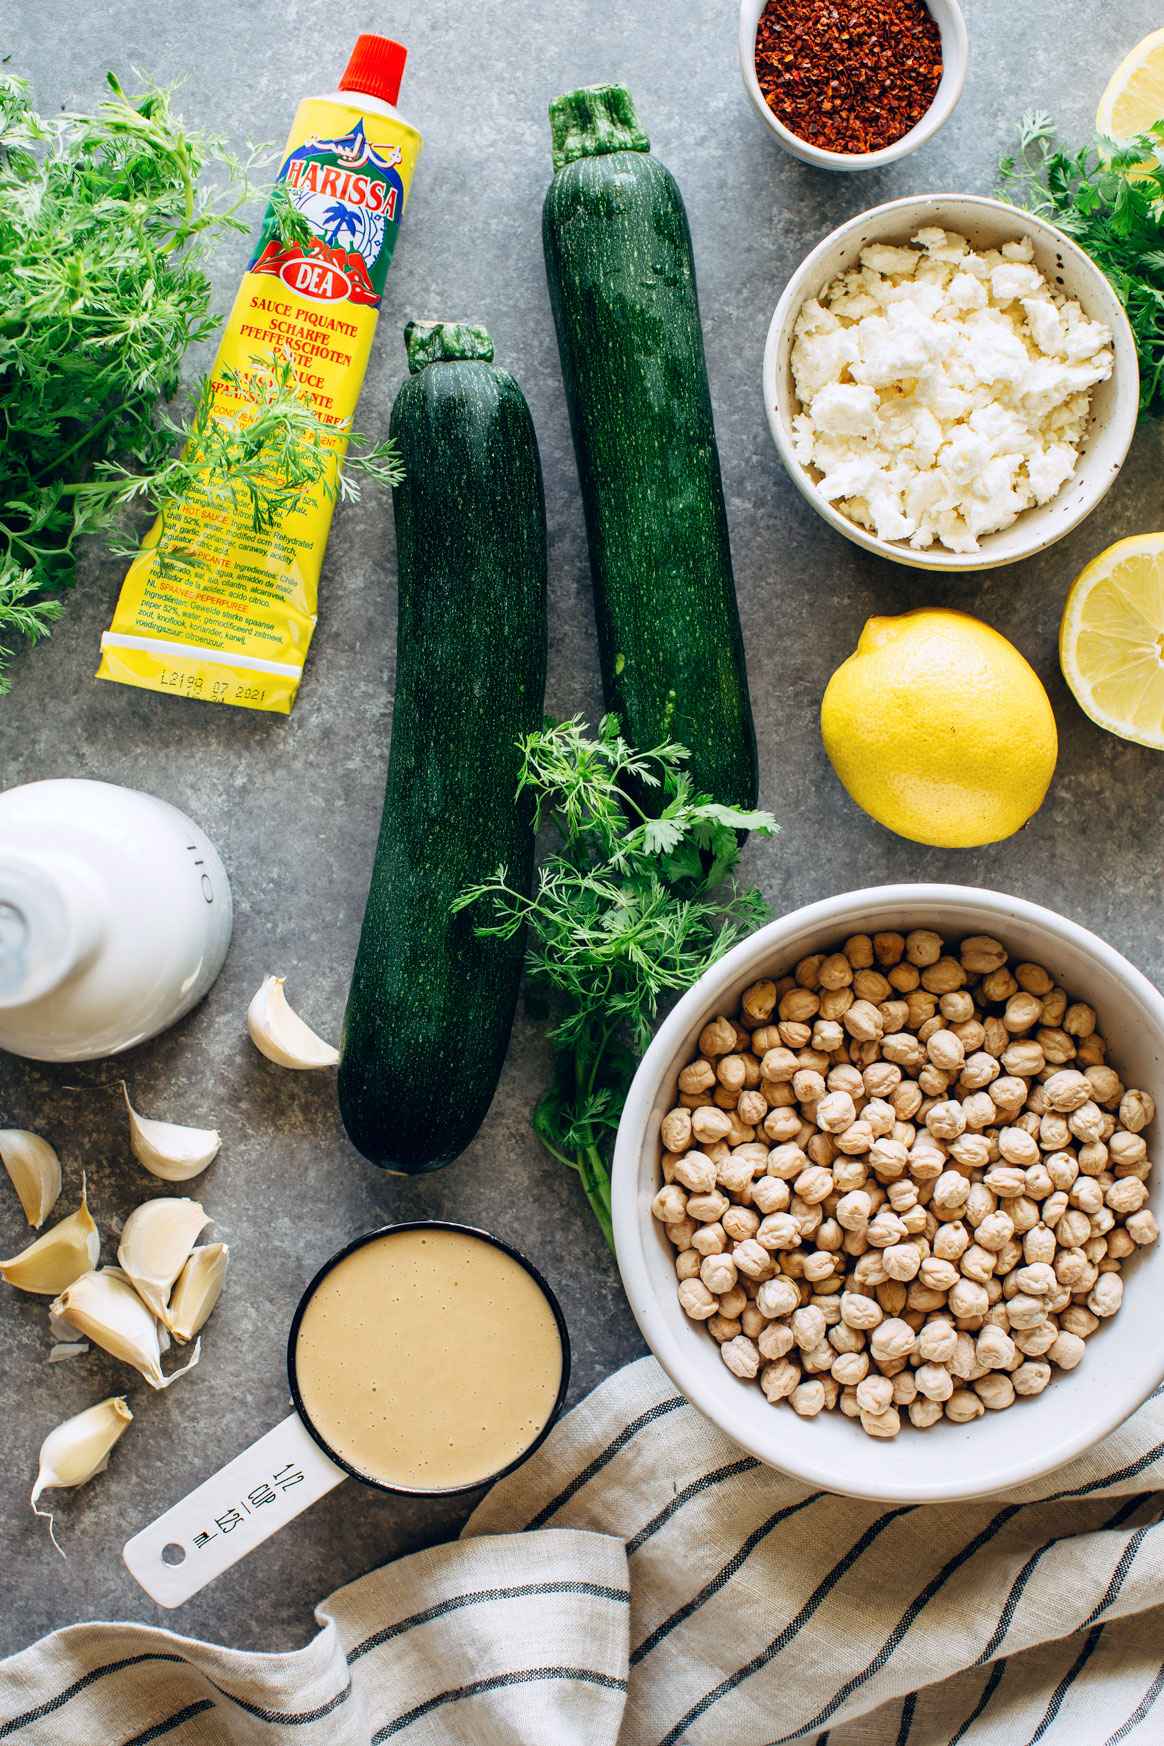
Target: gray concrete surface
294,804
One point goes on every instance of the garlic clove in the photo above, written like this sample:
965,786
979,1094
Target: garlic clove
281,1035
167,1150
35,1170
54,1261
197,1290
155,1242
79,1449
105,1308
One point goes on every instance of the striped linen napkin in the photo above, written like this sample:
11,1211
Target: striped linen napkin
642,1582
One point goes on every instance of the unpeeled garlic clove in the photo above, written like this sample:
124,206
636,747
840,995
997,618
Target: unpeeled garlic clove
197,1290
35,1170
78,1450
54,1261
281,1035
167,1150
105,1308
155,1242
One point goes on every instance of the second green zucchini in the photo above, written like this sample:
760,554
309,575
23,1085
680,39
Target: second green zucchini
431,1002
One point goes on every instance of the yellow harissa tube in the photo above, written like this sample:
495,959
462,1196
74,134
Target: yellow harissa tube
210,608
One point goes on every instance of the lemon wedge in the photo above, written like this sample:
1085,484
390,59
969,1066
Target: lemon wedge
1134,98
1111,639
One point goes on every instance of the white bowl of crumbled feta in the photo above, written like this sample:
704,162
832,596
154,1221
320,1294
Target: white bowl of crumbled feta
951,382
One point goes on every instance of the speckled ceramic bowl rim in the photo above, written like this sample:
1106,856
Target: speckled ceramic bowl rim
1114,405
1096,1401
947,15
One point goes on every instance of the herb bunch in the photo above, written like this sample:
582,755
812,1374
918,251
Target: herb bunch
105,225
1109,198
626,910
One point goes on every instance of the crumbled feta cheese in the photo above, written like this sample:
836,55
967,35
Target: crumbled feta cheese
881,258
943,390
845,409
1050,471
1012,280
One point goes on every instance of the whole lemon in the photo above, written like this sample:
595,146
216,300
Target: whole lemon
939,729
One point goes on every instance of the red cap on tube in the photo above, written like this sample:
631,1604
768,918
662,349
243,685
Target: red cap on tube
376,68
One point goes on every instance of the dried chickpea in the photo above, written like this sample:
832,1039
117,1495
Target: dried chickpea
923,1413
717,1037
981,955
944,977
669,1204
871,985
996,1390
799,1005
740,1223
697,1301
1142,1227
1137,1109
779,1378
1031,1377
688,1263
1106,1295
923,947
888,948
709,1124
808,1398
741,1356
722,1329
709,1239
775,1340
759,1001
863,1022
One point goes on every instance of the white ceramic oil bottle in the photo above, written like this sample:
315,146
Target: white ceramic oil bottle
115,917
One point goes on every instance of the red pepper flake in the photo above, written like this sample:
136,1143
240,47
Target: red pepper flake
848,75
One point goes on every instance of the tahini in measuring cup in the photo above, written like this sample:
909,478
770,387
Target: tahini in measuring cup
424,1359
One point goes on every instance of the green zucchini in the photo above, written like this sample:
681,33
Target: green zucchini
622,288
431,1004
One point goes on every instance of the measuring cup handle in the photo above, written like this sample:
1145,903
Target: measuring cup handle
231,1513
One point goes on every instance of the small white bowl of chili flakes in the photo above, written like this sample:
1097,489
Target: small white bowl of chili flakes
853,84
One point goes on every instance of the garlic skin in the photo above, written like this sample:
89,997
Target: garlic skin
281,1035
156,1239
105,1308
52,1262
79,1449
35,1170
167,1150
197,1290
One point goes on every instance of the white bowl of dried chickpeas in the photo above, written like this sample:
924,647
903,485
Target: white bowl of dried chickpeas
883,1195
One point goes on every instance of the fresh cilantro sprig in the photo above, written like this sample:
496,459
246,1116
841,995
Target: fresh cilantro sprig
628,909
1109,198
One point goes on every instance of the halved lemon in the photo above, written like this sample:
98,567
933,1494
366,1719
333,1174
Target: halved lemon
1111,639
1134,98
